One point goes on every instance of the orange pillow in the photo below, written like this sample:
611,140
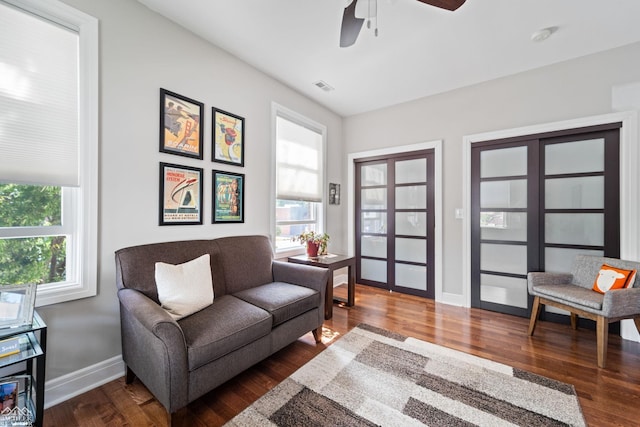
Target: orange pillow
613,278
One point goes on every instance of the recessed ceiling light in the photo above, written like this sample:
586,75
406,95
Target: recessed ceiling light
543,34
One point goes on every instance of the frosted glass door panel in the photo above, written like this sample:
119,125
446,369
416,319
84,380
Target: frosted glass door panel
504,290
373,175
574,157
374,246
413,250
574,229
503,162
371,269
574,193
374,198
411,276
411,223
503,194
374,222
411,197
511,226
503,258
408,171
560,260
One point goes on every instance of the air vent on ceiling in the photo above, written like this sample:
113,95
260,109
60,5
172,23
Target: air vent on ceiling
324,86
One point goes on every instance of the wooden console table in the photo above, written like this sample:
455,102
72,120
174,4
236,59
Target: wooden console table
333,262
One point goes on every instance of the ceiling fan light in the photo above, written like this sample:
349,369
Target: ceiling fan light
366,9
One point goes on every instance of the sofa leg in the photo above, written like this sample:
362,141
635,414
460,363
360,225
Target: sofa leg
129,376
574,321
180,418
317,334
636,320
535,312
602,339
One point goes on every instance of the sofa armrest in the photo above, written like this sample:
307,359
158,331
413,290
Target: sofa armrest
547,278
621,303
154,347
304,275
299,274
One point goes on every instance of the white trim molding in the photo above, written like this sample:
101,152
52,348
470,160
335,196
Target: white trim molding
437,148
75,383
629,177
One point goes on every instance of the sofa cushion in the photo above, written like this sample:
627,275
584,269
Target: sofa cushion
226,325
571,293
184,289
283,300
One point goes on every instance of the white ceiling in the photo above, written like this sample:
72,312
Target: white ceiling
420,50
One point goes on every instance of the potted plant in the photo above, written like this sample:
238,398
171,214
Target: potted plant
316,242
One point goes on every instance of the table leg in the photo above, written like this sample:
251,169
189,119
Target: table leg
351,286
328,300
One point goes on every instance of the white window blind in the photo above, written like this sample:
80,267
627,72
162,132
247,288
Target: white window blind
38,100
299,162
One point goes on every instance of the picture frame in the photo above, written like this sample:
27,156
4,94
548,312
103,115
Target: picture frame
228,197
181,125
15,393
181,191
9,390
334,194
228,138
16,305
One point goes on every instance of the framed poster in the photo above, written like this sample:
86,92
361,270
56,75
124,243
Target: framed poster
180,195
334,194
228,197
180,125
228,138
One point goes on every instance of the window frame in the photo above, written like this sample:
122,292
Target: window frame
278,110
79,204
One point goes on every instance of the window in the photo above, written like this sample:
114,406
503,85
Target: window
48,141
299,177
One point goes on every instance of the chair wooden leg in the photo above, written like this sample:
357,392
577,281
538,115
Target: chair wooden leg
602,338
636,320
535,312
317,334
574,321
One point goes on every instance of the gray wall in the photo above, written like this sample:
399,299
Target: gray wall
568,90
141,52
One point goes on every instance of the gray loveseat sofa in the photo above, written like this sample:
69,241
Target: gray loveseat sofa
260,306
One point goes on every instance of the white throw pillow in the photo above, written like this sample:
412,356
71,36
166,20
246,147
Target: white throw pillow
185,288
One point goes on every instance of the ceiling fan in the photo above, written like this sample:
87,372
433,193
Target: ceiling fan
358,11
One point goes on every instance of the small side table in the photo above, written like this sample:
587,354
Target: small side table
333,262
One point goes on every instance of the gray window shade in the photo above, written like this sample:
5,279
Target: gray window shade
38,100
299,162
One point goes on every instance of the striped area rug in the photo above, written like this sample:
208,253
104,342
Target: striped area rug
375,377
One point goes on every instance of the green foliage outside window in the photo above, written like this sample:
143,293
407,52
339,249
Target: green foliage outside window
39,259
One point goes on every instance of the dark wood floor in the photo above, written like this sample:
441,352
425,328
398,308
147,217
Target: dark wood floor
609,397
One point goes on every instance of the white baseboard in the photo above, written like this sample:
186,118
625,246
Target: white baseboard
453,299
67,386
339,279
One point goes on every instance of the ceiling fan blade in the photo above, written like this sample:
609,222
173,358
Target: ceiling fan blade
444,4
350,25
